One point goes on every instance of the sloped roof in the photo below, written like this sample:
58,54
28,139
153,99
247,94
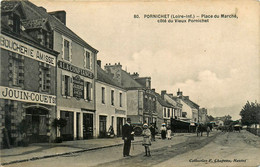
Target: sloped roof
128,82
162,101
106,78
189,102
33,12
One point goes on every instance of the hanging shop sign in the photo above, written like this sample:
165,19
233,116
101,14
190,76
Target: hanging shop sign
74,69
26,50
78,87
26,96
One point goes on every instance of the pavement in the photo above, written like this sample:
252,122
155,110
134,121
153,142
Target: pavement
46,150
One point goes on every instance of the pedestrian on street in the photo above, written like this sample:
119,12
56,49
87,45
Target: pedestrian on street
128,135
152,129
169,133
163,131
146,139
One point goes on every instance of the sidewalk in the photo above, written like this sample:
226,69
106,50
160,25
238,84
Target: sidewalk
46,150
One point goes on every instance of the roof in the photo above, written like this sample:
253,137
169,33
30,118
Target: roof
162,101
189,102
128,82
33,12
106,78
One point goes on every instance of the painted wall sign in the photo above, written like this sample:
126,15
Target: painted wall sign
74,69
26,50
78,87
26,96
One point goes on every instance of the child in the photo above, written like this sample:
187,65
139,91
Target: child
146,139
169,133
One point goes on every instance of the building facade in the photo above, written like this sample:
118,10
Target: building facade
175,102
27,80
111,104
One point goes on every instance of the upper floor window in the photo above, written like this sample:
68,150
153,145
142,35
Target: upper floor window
16,23
67,86
44,79
112,97
103,95
164,112
120,99
168,113
67,48
87,60
15,71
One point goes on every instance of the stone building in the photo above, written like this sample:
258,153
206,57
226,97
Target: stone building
141,100
27,79
76,70
111,104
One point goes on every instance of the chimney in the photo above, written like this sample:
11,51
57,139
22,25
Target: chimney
99,63
114,70
163,92
135,75
170,94
153,90
61,15
179,93
42,8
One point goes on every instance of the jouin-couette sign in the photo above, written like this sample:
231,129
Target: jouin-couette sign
26,50
26,96
74,69
78,87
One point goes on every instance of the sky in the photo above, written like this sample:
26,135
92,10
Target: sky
216,63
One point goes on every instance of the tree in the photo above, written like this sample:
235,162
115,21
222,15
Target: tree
250,113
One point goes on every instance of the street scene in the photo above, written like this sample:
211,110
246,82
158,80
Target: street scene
129,83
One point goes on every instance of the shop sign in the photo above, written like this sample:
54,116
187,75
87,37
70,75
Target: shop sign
122,112
74,69
26,50
26,96
78,87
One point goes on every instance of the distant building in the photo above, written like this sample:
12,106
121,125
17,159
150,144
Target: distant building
175,102
111,104
141,101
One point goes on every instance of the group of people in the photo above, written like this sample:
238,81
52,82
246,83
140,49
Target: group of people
148,136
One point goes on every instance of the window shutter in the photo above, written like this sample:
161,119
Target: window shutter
71,86
62,50
90,91
62,85
85,90
91,56
70,54
85,61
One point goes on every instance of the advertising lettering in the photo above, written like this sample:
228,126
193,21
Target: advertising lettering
26,96
78,87
26,50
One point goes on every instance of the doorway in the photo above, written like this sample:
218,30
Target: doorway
102,126
87,126
119,126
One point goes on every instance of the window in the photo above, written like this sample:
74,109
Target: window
112,97
164,112
67,50
87,65
44,79
67,85
15,71
88,90
168,112
103,95
120,99
172,113
16,23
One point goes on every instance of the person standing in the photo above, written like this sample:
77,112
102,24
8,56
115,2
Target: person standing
152,129
127,136
163,131
146,140
169,133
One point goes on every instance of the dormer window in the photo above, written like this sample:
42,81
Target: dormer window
16,24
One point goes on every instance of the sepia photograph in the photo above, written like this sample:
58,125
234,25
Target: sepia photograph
121,83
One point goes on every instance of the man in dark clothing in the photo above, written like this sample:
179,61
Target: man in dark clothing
152,129
128,135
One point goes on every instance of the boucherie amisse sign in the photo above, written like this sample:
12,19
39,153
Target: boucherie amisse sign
26,50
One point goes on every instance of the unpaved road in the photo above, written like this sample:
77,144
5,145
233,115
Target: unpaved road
183,150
